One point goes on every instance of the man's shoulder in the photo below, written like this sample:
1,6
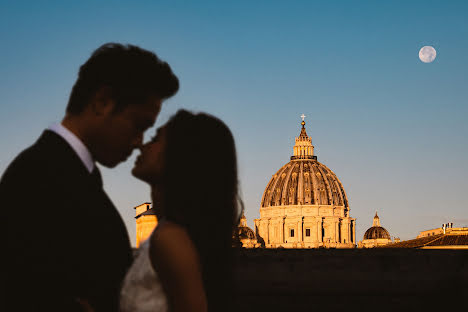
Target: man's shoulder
28,159
47,158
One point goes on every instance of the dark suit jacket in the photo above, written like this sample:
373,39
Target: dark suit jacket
64,238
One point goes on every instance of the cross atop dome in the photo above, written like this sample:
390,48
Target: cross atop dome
303,135
303,122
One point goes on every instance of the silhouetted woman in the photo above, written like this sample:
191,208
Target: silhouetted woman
186,264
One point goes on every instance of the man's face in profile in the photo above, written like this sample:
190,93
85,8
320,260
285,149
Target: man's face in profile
121,132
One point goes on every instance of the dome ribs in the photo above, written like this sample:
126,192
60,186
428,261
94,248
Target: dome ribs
342,195
266,197
276,201
308,186
328,191
295,191
320,186
300,185
376,232
335,199
304,182
315,183
285,189
307,198
269,194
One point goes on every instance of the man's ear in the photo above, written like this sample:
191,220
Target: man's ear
102,103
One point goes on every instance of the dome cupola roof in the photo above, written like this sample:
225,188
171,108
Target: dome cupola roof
304,180
376,231
244,231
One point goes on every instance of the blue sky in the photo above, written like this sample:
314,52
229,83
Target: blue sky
392,128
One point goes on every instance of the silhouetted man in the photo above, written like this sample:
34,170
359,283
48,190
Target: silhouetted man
66,242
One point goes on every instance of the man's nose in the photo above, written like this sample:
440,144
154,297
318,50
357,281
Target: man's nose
138,142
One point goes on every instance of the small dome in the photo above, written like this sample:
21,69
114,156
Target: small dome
376,231
244,231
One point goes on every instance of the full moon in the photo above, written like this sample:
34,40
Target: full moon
427,54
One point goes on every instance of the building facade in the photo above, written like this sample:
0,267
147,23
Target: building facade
446,227
146,221
446,237
304,204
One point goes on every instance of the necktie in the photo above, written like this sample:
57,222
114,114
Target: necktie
96,176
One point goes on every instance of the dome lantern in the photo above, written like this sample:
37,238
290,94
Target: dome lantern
243,221
376,221
303,149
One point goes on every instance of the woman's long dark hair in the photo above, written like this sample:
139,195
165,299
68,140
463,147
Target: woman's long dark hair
200,191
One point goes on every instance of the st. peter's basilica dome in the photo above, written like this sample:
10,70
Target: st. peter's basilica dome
304,204
304,181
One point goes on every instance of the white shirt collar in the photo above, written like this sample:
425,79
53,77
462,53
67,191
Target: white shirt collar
80,149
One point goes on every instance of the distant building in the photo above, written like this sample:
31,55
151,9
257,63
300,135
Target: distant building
305,205
375,236
446,237
246,237
146,221
447,227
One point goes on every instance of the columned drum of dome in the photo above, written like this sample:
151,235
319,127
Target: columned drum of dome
304,204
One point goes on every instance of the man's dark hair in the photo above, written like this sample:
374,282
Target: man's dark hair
130,73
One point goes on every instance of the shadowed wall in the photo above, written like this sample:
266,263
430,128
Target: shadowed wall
304,280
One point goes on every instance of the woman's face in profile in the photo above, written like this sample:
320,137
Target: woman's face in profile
149,165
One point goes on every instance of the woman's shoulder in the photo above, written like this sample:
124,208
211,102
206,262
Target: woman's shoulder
174,257
168,230
172,240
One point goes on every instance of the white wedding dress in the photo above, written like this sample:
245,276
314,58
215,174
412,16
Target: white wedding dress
141,288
